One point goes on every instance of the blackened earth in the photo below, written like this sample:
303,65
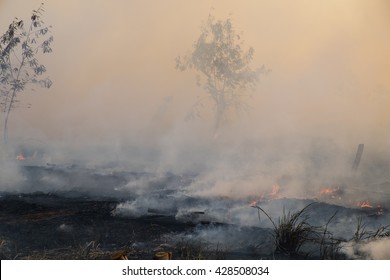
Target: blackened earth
54,223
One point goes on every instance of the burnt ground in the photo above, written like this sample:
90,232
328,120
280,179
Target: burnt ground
68,212
49,226
74,223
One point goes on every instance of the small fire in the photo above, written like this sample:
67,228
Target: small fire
328,191
252,204
332,193
20,157
364,204
274,194
275,191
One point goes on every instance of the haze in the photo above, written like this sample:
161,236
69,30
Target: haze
116,86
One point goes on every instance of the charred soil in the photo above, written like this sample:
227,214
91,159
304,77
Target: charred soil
78,224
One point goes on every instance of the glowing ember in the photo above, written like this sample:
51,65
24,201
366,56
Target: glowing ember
328,191
365,204
20,157
252,204
274,194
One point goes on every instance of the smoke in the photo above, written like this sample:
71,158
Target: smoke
114,76
118,104
370,250
10,179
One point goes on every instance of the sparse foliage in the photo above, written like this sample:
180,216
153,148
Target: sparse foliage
197,250
19,66
329,246
357,246
224,66
362,234
291,231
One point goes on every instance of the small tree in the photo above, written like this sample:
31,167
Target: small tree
220,59
19,66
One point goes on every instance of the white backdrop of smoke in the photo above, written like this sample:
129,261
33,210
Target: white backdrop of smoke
113,84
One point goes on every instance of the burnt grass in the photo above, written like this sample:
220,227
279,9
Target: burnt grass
75,224
50,226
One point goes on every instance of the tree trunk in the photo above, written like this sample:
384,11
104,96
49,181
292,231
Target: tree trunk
218,120
8,110
5,128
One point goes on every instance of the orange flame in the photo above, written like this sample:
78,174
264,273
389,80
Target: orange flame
252,204
274,194
328,191
275,191
365,204
20,157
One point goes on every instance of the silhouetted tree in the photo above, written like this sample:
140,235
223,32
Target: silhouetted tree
223,64
19,66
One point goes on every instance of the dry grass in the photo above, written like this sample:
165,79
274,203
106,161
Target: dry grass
198,250
87,251
292,231
357,246
362,234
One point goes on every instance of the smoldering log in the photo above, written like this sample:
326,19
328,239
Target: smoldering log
358,157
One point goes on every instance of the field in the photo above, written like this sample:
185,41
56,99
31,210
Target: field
120,223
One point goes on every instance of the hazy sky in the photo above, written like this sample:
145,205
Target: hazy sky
113,67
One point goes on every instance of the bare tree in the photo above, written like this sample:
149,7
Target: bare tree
19,66
224,66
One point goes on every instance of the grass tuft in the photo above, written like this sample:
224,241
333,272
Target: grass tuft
292,232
